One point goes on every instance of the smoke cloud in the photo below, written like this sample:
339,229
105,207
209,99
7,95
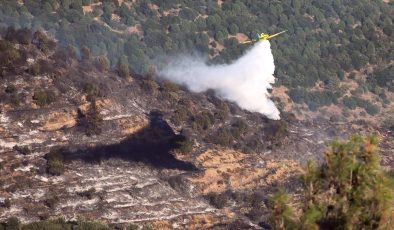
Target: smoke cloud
245,81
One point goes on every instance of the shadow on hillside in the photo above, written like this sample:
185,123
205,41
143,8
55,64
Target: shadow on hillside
151,145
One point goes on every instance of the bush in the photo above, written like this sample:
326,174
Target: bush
44,97
42,42
223,138
150,85
11,89
6,203
168,86
217,200
123,70
180,115
183,144
85,53
35,69
88,193
102,63
51,200
8,54
94,120
24,150
13,223
239,128
203,121
55,164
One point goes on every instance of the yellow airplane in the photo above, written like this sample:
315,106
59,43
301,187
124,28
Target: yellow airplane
263,36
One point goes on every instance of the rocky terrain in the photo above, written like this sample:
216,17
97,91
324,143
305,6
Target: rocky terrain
142,150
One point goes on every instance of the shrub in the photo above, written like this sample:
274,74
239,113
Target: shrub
6,203
203,121
55,164
217,200
13,223
102,63
123,70
87,193
180,115
168,86
239,128
11,89
183,144
85,53
42,42
150,85
44,97
132,227
51,200
35,69
223,138
93,120
8,54
91,90
24,150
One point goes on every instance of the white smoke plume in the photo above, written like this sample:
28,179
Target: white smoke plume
245,81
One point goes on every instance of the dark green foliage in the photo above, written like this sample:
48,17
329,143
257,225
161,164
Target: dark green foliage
123,70
168,86
13,223
44,97
102,63
35,68
349,191
93,120
61,224
92,90
181,115
217,200
239,128
6,203
42,42
282,214
25,150
354,102
8,53
22,36
87,193
55,164
85,53
203,120
51,200
223,138
183,144
314,99
132,227
11,89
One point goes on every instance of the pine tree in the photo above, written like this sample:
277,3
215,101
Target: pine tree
348,191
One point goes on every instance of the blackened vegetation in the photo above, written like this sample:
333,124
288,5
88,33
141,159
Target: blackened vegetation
152,145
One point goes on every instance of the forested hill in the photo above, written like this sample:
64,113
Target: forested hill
327,41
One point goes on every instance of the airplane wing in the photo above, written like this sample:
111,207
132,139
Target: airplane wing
274,35
247,42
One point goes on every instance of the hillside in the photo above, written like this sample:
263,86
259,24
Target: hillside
78,139
91,133
335,60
